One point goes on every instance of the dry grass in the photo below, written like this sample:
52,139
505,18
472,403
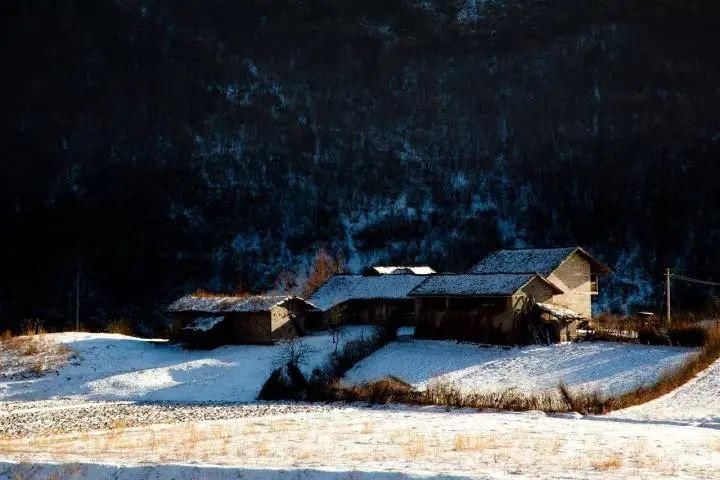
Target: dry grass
715,446
262,449
389,390
120,326
612,462
465,443
33,355
32,326
415,447
668,382
367,428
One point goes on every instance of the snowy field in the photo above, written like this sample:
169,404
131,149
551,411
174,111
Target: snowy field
697,402
590,366
118,367
362,443
98,416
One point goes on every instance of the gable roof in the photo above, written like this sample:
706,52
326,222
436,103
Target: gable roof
400,269
341,288
533,260
476,284
225,304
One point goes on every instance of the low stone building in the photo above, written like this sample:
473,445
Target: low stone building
206,320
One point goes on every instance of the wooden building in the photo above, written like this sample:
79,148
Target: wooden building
509,297
486,308
209,321
379,299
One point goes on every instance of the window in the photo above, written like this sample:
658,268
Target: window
593,284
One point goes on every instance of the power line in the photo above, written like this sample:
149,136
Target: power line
695,280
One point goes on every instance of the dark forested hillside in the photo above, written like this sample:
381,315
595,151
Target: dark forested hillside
156,147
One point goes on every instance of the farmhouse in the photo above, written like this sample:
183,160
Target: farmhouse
376,299
206,320
478,307
572,269
511,296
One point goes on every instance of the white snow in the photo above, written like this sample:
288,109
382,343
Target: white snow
341,288
474,284
696,402
590,366
397,269
559,312
361,443
118,367
204,324
221,304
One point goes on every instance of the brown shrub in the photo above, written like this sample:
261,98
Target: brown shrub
120,325
32,326
324,267
6,335
612,462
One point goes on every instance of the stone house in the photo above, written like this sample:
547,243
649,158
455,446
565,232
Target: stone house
208,320
509,297
572,269
479,307
379,299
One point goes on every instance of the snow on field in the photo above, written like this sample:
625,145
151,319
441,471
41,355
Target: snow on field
697,402
362,443
590,366
117,367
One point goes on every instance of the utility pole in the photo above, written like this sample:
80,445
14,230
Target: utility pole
77,301
667,297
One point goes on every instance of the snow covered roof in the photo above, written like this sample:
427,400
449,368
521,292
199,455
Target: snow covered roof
221,304
342,288
559,312
533,260
403,269
204,324
475,285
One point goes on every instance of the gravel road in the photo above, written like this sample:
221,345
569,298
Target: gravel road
20,419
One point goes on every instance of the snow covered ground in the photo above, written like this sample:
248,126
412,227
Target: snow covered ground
363,443
591,366
696,402
118,367
63,425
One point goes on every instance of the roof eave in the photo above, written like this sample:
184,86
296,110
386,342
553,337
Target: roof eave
596,266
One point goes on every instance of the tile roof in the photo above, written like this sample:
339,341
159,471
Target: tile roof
342,288
220,304
532,260
473,284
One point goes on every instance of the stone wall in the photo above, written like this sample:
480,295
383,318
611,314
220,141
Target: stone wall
573,277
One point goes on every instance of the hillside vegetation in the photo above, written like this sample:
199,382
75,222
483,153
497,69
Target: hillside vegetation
155,148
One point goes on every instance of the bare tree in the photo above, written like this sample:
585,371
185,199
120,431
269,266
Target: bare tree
336,324
296,352
324,267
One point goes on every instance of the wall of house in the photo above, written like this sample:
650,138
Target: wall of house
377,312
286,321
478,319
249,327
573,277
